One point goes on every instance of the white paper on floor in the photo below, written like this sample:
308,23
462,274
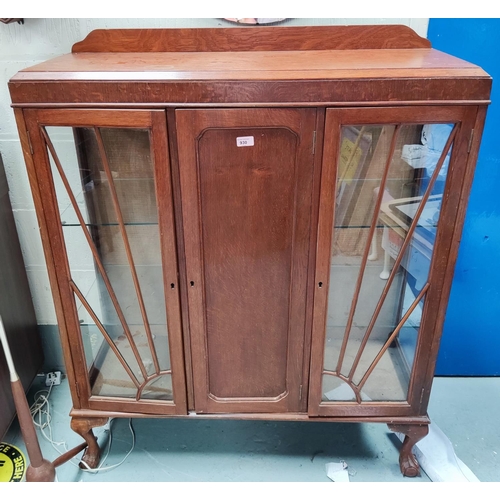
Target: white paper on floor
437,458
337,472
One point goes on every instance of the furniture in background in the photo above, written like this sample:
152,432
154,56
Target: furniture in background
16,310
206,205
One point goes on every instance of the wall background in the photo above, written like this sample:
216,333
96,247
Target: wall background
38,40
471,338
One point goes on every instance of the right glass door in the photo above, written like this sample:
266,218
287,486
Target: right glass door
382,198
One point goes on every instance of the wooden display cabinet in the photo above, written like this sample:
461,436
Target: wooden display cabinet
253,223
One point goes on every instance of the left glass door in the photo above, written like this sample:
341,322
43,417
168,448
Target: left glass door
107,203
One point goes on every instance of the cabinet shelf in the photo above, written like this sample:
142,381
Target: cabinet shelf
111,224
90,283
136,197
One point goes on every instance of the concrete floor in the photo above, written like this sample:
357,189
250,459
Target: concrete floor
466,410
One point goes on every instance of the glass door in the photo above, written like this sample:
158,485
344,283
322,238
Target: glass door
114,247
382,254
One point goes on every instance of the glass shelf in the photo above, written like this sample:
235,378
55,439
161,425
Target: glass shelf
93,289
127,224
96,205
381,226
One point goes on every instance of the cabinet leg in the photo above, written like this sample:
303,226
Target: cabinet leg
83,427
413,434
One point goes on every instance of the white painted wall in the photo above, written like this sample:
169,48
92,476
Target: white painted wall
40,39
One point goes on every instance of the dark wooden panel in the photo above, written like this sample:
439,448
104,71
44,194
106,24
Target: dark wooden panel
94,118
247,219
16,310
182,280
333,91
165,201
320,129
255,38
290,417
247,198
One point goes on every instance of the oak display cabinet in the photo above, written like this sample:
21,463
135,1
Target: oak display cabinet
251,223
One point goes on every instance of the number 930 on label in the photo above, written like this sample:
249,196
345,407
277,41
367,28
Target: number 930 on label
244,141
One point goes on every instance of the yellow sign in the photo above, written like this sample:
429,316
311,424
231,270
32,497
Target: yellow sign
349,160
12,464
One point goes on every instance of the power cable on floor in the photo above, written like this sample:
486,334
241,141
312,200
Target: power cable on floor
41,409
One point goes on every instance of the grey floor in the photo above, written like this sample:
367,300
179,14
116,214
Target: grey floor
466,410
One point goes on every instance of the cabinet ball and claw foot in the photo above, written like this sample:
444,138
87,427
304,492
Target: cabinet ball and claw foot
216,206
83,427
413,433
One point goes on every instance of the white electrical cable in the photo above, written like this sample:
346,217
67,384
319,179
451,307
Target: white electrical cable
41,408
110,467
38,409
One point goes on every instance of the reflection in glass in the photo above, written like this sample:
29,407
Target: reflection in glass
390,183
335,389
159,388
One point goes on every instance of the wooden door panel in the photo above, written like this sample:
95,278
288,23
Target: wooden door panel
247,235
247,275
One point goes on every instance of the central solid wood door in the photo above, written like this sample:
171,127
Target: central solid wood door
246,186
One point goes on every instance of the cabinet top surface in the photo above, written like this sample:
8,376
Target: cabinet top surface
231,65
258,65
